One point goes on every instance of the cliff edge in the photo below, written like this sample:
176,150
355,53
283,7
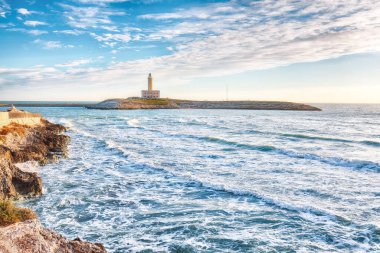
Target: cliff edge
18,144
19,231
30,236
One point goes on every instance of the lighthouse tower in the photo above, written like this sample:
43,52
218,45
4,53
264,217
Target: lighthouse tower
150,82
150,93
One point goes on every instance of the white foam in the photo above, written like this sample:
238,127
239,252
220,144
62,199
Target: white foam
67,122
30,166
133,122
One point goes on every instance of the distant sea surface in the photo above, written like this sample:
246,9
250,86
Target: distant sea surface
48,102
217,180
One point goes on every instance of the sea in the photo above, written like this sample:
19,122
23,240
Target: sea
217,180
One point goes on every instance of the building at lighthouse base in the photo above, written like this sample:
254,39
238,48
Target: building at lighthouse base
150,94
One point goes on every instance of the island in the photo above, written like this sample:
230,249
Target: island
150,99
134,103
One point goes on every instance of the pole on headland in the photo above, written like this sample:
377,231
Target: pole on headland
226,92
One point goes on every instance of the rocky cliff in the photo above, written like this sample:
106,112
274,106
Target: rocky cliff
19,144
41,143
30,236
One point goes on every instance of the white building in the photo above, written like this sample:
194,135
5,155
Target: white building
150,93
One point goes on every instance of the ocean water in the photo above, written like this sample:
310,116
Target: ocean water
217,180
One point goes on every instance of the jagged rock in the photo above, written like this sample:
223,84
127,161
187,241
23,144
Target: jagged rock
18,144
30,237
41,143
15,183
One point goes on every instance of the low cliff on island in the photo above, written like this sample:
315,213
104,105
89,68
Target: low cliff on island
139,103
20,232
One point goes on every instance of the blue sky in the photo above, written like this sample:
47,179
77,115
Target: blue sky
307,51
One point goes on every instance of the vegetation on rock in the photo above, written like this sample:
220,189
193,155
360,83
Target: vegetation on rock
10,214
13,128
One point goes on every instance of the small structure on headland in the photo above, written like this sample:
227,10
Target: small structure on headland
14,115
150,93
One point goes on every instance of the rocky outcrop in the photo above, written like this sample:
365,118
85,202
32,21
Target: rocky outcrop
138,103
134,104
15,183
30,236
41,143
18,144
246,105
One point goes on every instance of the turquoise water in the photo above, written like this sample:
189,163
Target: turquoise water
217,180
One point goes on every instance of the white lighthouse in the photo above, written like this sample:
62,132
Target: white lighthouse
150,93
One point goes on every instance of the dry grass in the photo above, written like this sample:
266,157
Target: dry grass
10,214
152,101
13,128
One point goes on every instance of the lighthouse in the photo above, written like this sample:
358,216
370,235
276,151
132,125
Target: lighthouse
150,93
150,82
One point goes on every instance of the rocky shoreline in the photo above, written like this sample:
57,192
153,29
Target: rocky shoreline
42,143
138,103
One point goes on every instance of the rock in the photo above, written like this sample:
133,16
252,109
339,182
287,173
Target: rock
30,237
134,104
18,144
41,143
15,183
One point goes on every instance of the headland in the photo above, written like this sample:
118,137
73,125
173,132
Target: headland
27,137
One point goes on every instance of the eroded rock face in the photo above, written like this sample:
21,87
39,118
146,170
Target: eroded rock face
31,237
42,143
18,144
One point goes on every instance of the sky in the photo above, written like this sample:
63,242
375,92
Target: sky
320,51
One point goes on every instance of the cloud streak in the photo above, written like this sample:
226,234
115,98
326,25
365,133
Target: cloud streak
215,39
23,11
34,23
50,44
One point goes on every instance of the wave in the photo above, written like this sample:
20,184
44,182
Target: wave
104,143
371,143
191,180
133,122
305,212
66,122
310,137
301,136
334,161
263,148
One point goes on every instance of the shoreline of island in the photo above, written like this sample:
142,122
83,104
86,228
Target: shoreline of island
137,103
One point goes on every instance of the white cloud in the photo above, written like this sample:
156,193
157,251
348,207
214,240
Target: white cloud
261,34
23,11
90,17
34,23
197,12
74,63
70,32
32,32
112,40
101,2
4,8
51,44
